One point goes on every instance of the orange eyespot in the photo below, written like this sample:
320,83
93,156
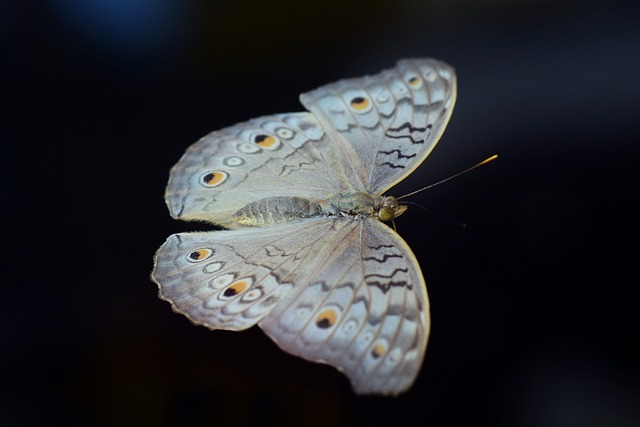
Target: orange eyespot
359,103
214,178
326,319
199,255
267,142
414,81
236,288
378,350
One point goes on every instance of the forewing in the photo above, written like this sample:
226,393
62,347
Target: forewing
391,121
281,155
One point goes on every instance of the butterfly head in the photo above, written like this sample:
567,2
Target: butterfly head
390,209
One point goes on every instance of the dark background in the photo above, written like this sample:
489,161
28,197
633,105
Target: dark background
534,304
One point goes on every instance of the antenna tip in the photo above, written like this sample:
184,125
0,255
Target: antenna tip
487,160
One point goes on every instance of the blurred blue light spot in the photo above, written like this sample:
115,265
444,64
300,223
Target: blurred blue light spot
127,26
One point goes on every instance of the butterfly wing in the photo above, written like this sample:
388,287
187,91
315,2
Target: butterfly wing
281,155
362,308
344,145
391,120
231,279
347,293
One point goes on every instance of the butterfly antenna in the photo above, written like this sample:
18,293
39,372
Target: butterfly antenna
484,162
436,214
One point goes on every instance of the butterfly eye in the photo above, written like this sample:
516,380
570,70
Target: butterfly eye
199,255
360,104
267,142
213,178
386,213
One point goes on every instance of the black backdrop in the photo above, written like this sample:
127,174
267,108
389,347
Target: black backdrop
533,304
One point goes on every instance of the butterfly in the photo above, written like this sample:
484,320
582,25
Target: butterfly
306,254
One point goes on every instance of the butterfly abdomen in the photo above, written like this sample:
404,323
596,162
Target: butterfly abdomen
277,210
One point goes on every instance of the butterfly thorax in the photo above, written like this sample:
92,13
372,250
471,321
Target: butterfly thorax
278,210
355,205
